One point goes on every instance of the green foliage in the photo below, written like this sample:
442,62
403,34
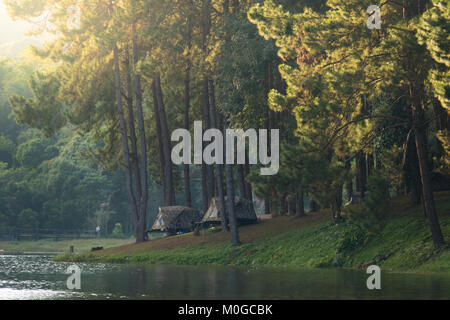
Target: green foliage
444,138
433,30
44,111
351,240
35,151
28,219
371,213
117,231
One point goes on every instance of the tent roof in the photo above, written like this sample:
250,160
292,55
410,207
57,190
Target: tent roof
175,217
244,210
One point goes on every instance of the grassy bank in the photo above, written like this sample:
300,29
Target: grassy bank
404,243
80,245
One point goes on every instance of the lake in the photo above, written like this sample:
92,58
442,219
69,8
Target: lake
32,277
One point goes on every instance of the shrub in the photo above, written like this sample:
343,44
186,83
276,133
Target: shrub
372,210
117,231
351,240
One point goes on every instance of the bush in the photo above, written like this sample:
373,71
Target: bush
372,210
117,231
351,240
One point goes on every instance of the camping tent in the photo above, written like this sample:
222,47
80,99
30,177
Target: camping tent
245,212
176,219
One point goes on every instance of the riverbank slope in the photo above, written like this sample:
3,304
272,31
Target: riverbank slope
403,244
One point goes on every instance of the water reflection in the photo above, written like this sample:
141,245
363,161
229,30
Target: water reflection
37,277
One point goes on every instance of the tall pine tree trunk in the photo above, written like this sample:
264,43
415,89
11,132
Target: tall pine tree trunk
168,175
207,117
283,206
241,181
230,199
162,161
132,134
349,185
425,174
370,164
219,169
361,174
207,171
187,102
123,129
300,210
187,98
266,206
143,200
248,186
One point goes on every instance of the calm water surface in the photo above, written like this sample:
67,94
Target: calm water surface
37,277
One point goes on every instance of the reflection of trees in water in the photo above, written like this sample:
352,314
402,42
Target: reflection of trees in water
211,283
163,280
139,281
168,282
436,293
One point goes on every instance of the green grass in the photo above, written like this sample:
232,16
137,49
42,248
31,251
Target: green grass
404,244
80,245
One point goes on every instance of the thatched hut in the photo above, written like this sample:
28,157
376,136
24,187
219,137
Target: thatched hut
245,212
176,219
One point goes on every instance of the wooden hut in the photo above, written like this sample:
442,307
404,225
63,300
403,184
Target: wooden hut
176,219
245,212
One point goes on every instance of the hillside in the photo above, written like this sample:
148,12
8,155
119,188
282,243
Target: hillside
404,244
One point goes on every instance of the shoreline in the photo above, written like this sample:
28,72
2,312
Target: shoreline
19,253
404,245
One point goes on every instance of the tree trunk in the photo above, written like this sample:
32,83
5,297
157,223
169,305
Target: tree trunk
266,206
166,143
412,172
143,201
207,118
370,164
219,169
313,205
428,198
241,181
248,186
187,180
230,199
300,210
123,130
361,174
283,206
338,203
349,185
335,209
205,202
292,206
162,161
187,103
134,161
207,170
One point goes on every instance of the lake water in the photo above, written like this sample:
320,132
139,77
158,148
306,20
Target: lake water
37,277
